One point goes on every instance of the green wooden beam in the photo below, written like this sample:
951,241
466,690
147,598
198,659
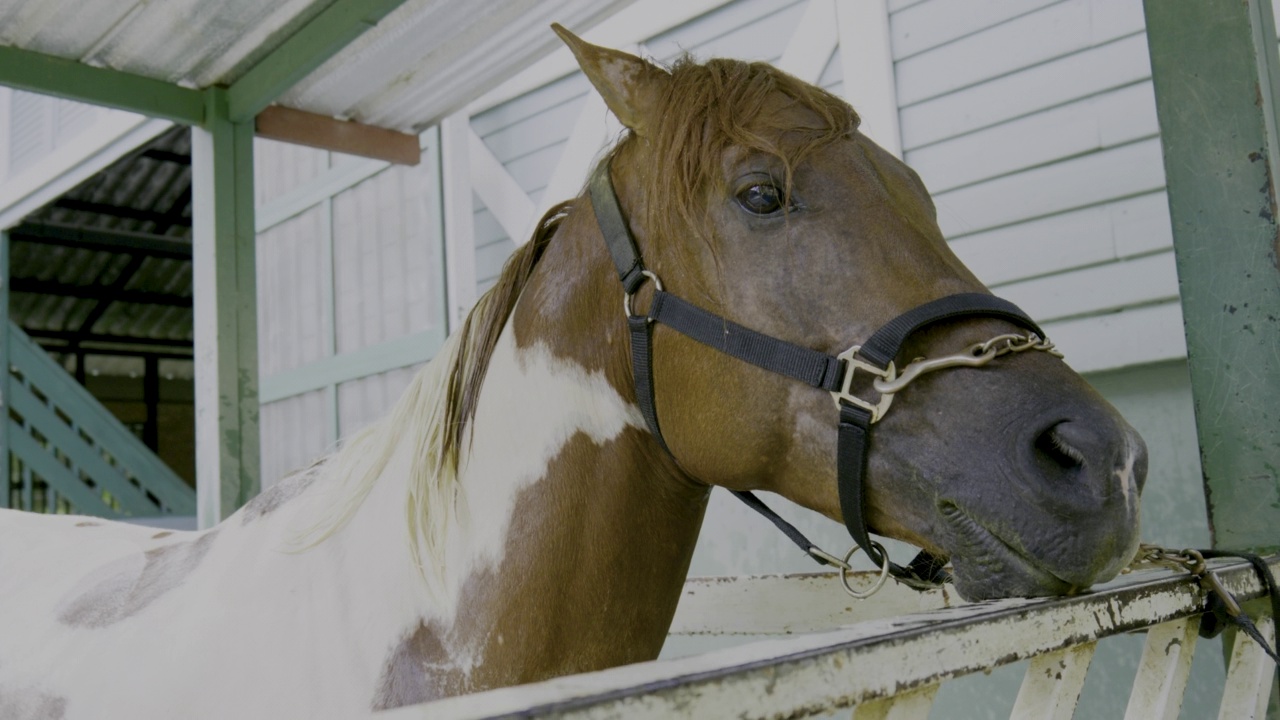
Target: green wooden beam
304,51
226,313
73,80
1216,74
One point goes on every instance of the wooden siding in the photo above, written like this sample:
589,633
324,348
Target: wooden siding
386,259
282,167
350,273
1033,124
363,401
293,434
291,322
39,124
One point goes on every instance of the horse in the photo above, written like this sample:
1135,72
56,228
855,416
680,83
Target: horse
518,514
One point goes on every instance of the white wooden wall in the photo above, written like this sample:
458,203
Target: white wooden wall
1034,125
350,292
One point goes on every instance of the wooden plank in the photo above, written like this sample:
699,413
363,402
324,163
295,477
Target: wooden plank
307,195
1135,336
1051,32
1095,123
112,136
100,424
1051,687
459,234
226,314
1112,286
1250,676
536,130
813,41
369,360
810,674
1038,87
497,189
591,132
344,136
1163,671
38,460
788,604
929,24
912,705
1069,240
869,82
1092,179
83,456
535,102
1217,78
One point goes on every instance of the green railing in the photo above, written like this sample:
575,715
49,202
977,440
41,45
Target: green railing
67,453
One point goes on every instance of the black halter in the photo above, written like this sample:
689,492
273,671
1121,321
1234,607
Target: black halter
817,369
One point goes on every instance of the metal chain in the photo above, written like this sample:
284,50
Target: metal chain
1189,561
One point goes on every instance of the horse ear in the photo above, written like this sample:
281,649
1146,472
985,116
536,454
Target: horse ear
630,85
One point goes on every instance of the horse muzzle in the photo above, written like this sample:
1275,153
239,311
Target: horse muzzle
1069,517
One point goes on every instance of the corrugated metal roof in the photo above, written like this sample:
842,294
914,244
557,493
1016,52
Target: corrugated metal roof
63,293
424,60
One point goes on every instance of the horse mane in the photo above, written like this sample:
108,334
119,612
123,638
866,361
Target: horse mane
712,106
708,108
480,332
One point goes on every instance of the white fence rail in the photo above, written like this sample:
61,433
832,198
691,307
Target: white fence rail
891,667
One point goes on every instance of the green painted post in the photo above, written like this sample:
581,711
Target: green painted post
6,478
1216,74
226,312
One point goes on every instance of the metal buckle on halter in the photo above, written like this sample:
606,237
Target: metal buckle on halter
626,296
852,365
845,568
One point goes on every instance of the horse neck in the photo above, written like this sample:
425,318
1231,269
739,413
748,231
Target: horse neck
587,526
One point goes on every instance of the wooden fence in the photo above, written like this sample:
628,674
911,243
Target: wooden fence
890,665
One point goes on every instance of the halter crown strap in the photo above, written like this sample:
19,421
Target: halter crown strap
617,233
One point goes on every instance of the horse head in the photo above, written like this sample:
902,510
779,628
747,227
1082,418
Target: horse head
753,195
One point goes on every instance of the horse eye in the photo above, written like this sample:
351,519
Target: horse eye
762,199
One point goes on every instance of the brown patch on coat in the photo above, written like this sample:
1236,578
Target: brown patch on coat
281,493
88,523
162,534
418,670
121,589
590,575
31,704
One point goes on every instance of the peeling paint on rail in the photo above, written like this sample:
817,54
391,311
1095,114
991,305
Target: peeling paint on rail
802,675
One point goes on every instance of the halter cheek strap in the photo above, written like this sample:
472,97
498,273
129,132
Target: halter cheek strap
816,369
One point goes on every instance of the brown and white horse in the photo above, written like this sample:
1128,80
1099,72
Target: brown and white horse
514,519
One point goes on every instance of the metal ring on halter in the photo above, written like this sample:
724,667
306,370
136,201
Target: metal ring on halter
879,583
626,296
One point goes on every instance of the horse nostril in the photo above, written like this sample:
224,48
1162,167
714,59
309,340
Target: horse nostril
1055,445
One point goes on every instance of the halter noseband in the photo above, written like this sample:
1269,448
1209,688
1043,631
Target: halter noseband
834,374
